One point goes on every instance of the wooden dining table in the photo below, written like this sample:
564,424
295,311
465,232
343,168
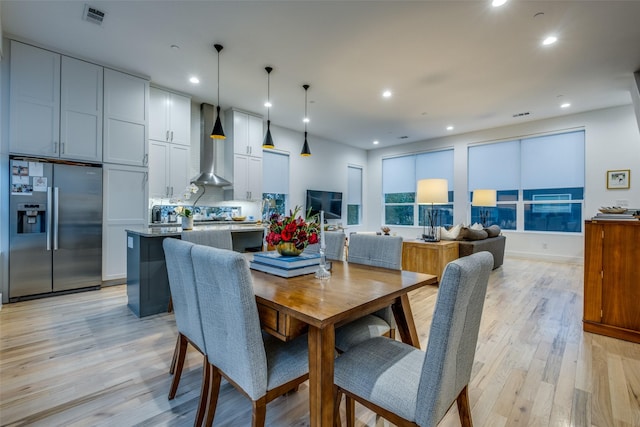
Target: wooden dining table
352,291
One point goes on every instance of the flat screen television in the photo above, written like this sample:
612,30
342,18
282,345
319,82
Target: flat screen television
328,201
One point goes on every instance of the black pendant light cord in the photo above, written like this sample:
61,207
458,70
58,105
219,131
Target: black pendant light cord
306,152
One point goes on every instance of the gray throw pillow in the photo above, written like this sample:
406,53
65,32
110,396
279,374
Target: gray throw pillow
493,230
469,234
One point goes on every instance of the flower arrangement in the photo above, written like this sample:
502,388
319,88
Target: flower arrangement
188,191
293,229
183,211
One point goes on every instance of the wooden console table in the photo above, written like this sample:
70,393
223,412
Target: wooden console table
428,257
611,271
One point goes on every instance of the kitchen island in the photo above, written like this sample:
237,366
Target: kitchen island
147,282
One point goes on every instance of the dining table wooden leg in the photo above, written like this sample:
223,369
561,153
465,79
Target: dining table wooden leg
404,321
321,355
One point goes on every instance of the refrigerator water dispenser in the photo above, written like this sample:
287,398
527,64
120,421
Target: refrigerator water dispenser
31,218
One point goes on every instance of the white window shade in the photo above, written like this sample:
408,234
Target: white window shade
275,172
437,164
555,161
495,166
399,175
354,178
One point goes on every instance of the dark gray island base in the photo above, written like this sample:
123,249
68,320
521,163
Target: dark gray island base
147,282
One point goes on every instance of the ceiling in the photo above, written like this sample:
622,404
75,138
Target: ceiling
459,63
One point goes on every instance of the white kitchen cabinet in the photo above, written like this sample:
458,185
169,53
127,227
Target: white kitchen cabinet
169,117
34,123
126,105
247,172
245,131
56,105
244,152
81,90
168,169
124,206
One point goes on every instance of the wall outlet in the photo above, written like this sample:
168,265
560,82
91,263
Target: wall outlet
544,246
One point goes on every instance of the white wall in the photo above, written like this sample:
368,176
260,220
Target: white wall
612,141
326,169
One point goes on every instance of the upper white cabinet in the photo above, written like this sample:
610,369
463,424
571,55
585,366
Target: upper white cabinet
126,101
81,110
34,123
169,143
56,105
169,117
244,131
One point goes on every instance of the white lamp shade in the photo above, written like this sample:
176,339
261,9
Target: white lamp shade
433,190
486,198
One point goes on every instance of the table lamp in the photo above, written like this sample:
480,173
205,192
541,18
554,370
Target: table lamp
484,199
432,191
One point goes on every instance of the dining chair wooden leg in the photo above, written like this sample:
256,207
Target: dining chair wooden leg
204,393
175,356
259,412
464,409
337,422
212,396
182,352
350,404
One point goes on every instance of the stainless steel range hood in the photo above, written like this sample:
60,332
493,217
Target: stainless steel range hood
208,151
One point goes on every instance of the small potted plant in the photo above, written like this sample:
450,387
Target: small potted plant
184,212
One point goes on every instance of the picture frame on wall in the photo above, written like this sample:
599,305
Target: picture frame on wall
618,179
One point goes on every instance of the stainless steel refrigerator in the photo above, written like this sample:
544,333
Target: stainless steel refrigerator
55,235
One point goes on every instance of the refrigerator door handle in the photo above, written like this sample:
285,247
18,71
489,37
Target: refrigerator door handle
55,220
49,218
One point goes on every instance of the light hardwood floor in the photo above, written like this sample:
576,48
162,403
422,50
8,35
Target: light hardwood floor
85,359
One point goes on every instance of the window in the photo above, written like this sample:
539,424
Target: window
542,177
354,195
275,183
399,179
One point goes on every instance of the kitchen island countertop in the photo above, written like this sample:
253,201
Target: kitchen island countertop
168,231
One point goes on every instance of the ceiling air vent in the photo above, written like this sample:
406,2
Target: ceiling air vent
91,14
526,113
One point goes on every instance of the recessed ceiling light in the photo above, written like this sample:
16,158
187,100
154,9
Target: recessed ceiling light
565,105
306,120
498,3
449,127
268,104
386,94
175,47
194,80
376,142
549,40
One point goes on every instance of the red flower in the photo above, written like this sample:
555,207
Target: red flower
293,229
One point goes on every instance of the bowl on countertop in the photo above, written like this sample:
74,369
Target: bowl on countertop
239,218
612,210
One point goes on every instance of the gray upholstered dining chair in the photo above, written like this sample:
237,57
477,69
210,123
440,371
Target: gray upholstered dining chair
182,283
378,251
334,242
410,387
259,365
212,237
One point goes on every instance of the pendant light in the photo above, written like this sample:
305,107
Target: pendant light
305,148
268,141
217,132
